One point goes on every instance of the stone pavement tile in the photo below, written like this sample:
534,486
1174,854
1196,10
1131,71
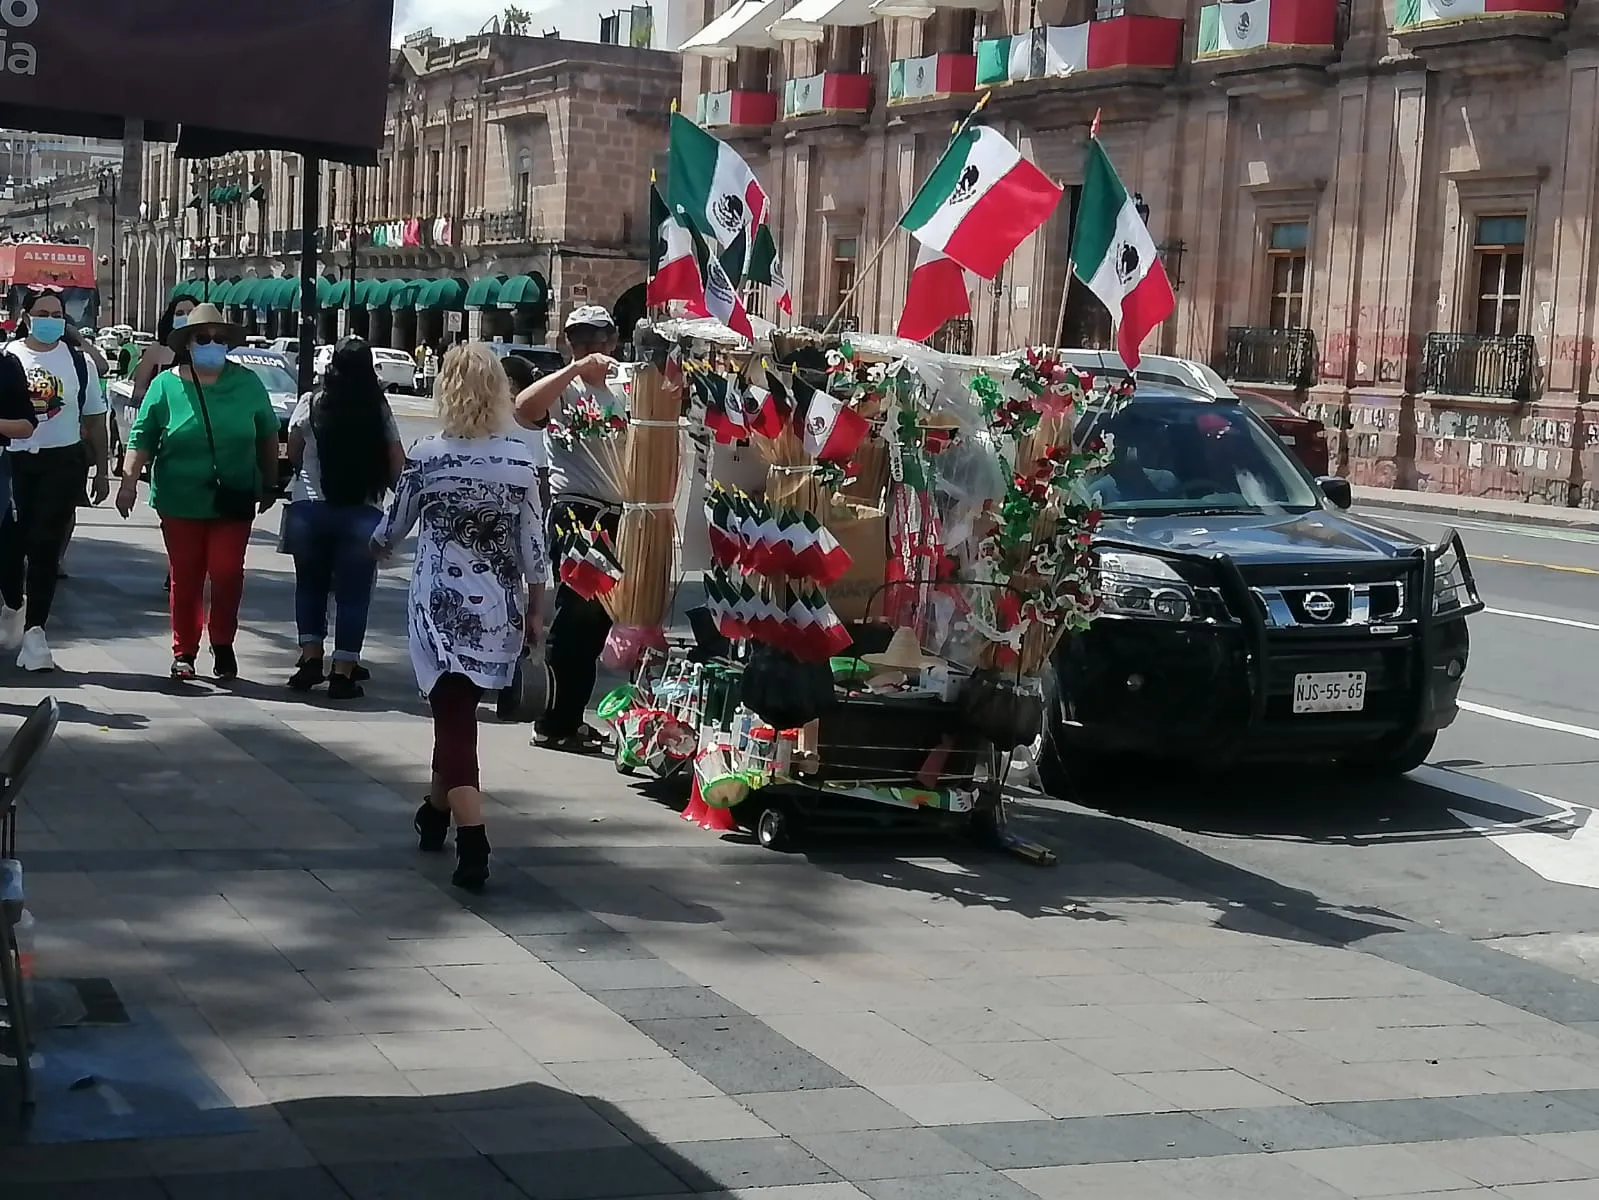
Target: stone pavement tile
871,1050
1586,1099
1417,1042
593,946
275,1146
477,1178
1133,1055
104,1189
1097,1181
824,1110
889,1153
744,1054
1108,989
1526,1113
1092,1140
636,1079
1241,1177
346,1054
459,951
663,1004
1222,1088
528,977
338,1094
838,1190
1289,1127
1411,1120
1579,1147
1544,1072
1014,1060
428,1049
1575,1190
86,1162
617,974
519,1085
742,1163
1071,1022
306,1183
1493,1162
958,1103
572,1126
687,1119
941,1027
1362,1171
1085,1091
1328,1082
1439,1078
985,1185
563,1029
380,1138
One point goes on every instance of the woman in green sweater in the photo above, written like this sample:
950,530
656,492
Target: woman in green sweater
209,432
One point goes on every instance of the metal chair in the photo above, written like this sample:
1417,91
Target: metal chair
17,761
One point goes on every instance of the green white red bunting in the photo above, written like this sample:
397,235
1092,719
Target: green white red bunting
982,199
1114,256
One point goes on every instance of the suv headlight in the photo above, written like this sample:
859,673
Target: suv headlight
1450,590
1141,585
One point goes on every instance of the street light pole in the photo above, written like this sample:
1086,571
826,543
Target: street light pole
310,203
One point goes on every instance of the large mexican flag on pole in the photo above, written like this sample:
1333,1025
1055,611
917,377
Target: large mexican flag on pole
711,185
1115,258
982,199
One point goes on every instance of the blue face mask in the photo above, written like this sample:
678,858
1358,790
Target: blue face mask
179,321
209,357
48,330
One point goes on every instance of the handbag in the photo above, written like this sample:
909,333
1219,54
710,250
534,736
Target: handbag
232,503
526,698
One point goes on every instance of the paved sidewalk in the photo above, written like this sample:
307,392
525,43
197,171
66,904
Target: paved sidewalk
639,1009
1445,505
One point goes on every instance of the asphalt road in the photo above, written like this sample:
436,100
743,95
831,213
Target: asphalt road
1497,839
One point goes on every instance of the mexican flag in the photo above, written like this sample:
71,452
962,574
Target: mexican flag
938,292
831,430
1431,12
766,267
674,271
1114,256
711,185
721,296
982,199
1043,53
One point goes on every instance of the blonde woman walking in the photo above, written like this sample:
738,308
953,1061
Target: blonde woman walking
477,584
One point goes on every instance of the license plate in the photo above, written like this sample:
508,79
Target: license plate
1330,691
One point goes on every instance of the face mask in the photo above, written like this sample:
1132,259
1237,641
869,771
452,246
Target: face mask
179,321
47,329
209,357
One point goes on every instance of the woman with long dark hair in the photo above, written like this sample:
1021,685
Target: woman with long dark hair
347,453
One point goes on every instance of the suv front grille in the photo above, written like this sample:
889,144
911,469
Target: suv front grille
1333,606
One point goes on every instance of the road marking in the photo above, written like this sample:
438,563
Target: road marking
1524,562
1509,528
1526,616
1554,839
1515,718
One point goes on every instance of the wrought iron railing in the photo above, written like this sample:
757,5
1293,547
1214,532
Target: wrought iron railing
509,226
1259,355
955,336
1494,366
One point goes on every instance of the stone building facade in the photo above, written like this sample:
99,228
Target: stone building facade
511,165
1384,209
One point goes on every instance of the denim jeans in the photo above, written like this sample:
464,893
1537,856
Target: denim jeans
333,556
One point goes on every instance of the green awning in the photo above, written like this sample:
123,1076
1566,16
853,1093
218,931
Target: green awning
324,291
338,295
287,296
484,292
222,292
521,289
361,293
188,287
227,194
244,291
440,295
378,290
403,295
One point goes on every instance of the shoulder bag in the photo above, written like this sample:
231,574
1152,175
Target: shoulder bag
232,503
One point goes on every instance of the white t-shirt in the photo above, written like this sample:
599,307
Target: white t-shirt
577,472
536,441
57,400
307,483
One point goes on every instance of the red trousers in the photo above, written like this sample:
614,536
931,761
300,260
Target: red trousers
198,551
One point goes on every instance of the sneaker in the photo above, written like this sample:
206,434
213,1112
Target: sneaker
307,675
183,668
226,664
10,628
344,687
35,653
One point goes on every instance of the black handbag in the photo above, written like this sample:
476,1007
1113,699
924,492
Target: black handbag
232,503
527,697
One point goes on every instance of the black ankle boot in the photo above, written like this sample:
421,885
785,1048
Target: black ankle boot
471,858
432,826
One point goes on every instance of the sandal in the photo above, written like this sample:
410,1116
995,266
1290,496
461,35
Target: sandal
587,740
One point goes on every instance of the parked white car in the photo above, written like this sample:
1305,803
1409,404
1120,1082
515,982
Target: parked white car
396,370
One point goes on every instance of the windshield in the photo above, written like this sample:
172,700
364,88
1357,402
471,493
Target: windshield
1177,455
272,375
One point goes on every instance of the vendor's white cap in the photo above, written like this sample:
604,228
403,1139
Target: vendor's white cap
591,314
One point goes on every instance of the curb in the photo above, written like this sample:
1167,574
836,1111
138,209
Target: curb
1587,523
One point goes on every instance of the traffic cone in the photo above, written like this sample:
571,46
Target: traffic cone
697,808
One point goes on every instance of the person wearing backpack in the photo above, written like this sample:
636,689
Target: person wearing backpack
49,473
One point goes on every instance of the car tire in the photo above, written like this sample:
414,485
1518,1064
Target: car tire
1393,757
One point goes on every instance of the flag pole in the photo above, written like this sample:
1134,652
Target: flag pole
1059,334
861,275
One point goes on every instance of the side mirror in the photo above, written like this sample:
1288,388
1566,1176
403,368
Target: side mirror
1337,489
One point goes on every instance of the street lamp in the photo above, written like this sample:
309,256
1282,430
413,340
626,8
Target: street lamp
110,181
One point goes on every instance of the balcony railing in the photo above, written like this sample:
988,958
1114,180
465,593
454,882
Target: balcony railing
829,92
1235,30
1473,364
1059,51
1286,357
931,77
507,226
955,336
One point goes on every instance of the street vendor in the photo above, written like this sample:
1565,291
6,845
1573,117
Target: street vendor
584,495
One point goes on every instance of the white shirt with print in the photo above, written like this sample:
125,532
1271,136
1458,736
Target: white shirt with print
58,402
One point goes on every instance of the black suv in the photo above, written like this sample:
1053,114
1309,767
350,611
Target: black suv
1246,615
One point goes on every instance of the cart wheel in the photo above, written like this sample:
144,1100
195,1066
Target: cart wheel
774,830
